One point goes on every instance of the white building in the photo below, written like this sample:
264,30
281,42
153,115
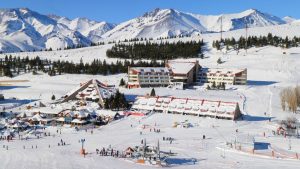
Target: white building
197,107
184,72
148,77
227,76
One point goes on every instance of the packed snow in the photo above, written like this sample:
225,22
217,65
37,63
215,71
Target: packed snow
269,70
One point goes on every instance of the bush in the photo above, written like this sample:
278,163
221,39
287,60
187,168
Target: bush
290,98
152,93
53,97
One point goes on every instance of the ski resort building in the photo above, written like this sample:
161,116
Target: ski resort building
47,112
184,72
92,90
186,106
148,77
174,72
227,76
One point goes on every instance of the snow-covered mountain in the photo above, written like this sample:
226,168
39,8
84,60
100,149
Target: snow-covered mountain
291,20
251,18
22,29
170,22
157,23
93,30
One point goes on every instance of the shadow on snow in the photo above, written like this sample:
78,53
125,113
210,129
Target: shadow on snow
182,161
12,87
260,83
255,118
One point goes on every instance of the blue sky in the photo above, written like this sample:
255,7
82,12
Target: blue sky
116,11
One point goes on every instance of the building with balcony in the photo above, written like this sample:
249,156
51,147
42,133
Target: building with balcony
148,77
227,76
184,72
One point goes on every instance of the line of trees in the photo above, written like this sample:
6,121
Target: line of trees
254,41
290,98
116,102
213,86
156,51
15,65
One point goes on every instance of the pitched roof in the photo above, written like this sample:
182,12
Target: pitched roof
92,89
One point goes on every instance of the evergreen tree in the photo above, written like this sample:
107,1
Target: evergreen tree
223,86
208,87
122,82
219,86
213,86
7,72
53,97
152,93
219,61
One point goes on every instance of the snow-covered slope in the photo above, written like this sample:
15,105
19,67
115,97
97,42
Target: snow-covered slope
170,22
22,29
93,30
289,19
166,22
88,54
251,18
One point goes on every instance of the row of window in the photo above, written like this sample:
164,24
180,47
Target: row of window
154,81
224,79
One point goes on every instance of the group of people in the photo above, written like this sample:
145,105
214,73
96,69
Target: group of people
155,130
109,152
170,139
62,143
8,138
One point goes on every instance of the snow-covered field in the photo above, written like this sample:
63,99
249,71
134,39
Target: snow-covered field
188,145
268,72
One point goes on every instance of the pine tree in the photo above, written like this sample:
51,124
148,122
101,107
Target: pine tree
223,86
213,86
53,97
106,104
219,61
208,87
122,82
152,93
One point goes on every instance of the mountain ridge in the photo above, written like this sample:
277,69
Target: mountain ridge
22,29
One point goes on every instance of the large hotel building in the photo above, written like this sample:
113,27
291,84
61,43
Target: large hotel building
184,73
227,76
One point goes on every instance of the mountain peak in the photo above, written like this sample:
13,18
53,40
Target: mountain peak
251,11
157,11
289,19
